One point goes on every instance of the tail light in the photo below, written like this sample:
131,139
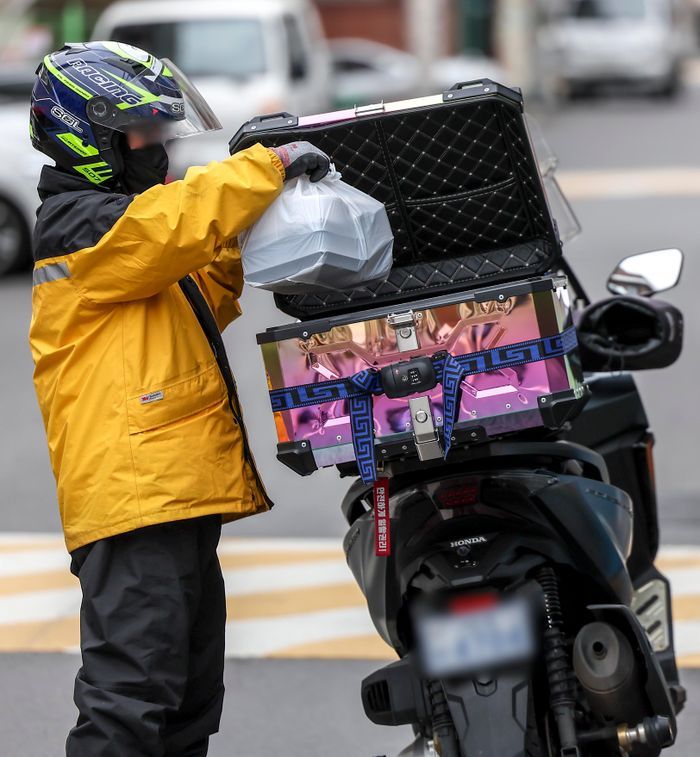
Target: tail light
460,493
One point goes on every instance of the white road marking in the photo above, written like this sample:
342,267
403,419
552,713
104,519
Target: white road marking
261,637
30,555
34,561
245,581
631,183
39,605
238,546
54,604
684,581
686,637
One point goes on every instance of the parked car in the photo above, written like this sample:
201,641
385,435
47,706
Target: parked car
632,42
246,58
20,165
368,72
16,81
467,67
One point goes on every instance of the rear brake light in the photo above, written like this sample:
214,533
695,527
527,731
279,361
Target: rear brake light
472,602
463,493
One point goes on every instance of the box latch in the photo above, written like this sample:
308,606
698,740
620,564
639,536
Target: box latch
425,434
405,326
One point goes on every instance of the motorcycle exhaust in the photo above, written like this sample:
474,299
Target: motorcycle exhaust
605,666
394,695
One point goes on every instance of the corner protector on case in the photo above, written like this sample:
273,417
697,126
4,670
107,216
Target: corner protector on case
298,456
479,88
559,407
465,434
273,121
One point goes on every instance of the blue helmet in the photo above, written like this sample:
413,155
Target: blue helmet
86,95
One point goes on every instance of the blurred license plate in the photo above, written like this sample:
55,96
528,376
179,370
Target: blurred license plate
455,644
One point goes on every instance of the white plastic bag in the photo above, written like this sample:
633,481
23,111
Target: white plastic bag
316,237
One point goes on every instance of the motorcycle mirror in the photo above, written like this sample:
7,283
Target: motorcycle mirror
647,273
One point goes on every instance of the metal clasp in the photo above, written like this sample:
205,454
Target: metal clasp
425,434
405,326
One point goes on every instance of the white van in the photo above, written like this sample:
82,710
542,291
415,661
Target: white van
247,57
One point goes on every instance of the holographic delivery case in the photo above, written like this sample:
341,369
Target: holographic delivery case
475,244
492,403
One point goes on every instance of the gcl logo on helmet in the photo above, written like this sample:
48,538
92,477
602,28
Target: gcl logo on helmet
105,83
68,118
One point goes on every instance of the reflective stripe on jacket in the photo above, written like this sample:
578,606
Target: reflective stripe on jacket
128,294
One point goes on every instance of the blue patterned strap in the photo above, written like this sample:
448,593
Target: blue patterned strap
450,370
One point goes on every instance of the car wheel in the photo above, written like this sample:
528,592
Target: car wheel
671,86
14,238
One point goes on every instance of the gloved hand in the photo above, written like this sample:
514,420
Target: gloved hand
302,157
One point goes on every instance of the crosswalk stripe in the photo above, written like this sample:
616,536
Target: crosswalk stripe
686,607
39,605
34,560
51,579
367,647
686,636
632,183
282,603
684,581
285,598
250,559
244,581
57,635
260,637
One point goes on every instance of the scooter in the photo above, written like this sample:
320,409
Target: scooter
504,528
520,594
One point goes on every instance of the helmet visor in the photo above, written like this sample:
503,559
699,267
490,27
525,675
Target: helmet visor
179,110
198,115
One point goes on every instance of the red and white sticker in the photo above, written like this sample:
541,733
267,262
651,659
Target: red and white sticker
382,521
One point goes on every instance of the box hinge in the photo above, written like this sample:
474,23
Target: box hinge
370,110
425,434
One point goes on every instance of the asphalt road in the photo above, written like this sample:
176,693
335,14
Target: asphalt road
310,708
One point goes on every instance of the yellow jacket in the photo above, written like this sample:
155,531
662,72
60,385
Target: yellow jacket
140,426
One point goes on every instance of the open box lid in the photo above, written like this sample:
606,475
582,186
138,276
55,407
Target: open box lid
460,182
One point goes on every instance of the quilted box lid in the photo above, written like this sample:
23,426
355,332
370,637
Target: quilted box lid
460,182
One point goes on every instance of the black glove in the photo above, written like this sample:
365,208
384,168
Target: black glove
302,157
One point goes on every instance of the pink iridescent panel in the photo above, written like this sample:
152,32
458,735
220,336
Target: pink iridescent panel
501,401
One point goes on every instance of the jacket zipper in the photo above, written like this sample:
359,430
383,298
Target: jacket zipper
208,324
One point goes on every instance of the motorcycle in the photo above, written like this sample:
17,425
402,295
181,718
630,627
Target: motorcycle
506,552
521,595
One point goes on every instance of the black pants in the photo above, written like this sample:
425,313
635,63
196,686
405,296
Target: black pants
152,639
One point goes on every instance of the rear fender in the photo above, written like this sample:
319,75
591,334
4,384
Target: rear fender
490,712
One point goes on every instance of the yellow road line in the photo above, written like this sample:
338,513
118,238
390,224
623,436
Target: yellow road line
22,546
61,579
52,579
686,607
279,603
44,636
252,559
670,562
370,647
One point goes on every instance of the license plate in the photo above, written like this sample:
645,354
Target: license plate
456,644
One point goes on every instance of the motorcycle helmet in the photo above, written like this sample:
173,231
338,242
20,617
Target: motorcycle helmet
87,96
